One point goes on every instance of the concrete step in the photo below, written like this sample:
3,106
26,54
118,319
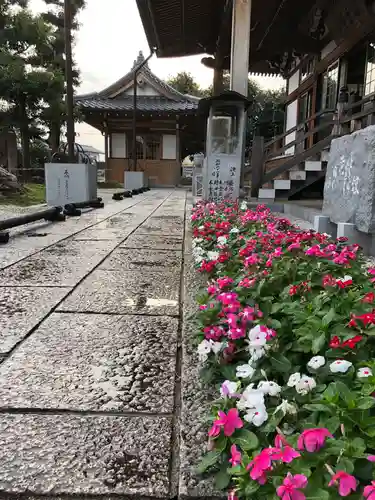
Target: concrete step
282,184
297,175
313,166
266,194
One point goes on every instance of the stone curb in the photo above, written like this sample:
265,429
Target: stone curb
196,399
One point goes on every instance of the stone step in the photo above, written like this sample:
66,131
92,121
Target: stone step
313,166
266,194
282,184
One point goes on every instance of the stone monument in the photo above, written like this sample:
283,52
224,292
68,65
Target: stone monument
349,191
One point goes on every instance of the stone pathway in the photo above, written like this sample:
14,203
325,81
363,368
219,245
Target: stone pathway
91,354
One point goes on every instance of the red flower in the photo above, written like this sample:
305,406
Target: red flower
369,298
352,343
335,342
293,290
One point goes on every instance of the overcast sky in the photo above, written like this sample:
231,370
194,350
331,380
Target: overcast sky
110,37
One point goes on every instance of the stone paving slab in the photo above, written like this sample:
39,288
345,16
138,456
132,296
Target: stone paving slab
85,455
63,264
103,234
90,362
21,309
126,293
124,259
142,241
162,226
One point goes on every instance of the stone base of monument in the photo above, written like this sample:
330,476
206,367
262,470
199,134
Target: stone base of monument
348,230
323,224
133,181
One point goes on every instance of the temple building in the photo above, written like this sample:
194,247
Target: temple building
324,49
166,124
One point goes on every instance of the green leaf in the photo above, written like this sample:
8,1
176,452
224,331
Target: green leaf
210,459
276,307
345,393
222,480
318,495
332,424
280,363
365,403
329,317
274,323
346,465
318,343
251,488
246,440
221,443
318,407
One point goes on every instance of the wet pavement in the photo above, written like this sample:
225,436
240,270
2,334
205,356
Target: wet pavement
90,350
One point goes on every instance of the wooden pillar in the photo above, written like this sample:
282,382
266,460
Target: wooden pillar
218,84
241,29
178,148
106,152
257,165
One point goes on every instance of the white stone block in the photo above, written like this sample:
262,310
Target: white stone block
70,183
282,184
133,180
266,194
313,166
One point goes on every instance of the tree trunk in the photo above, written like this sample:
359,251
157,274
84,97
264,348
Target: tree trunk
54,136
25,139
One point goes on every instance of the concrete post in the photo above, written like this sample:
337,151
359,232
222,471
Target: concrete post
241,28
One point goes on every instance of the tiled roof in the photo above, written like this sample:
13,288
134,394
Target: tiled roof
147,104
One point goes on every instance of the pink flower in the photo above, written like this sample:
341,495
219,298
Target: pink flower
369,491
346,482
232,495
313,439
235,456
291,486
288,454
230,421
371,458
215,430
259,465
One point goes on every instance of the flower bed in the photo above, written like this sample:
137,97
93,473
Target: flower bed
286,329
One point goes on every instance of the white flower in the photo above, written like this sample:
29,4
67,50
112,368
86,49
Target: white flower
364,372
196,241
228,389
201,228
286,408
212,255
251,398
216,347
270,388
244,371
305,385
222,240
257,416
256,354
257,337
316,362
244,205
234,230
204,349
207,346
340,366
294,379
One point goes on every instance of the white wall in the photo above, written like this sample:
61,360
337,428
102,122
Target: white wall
118,145
328,49
291,121
169,147
145,89
293,82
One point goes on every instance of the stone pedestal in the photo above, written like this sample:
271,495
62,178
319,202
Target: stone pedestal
133,180
70,183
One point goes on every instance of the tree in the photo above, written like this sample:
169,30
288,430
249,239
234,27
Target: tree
184,82
54,114
24,83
